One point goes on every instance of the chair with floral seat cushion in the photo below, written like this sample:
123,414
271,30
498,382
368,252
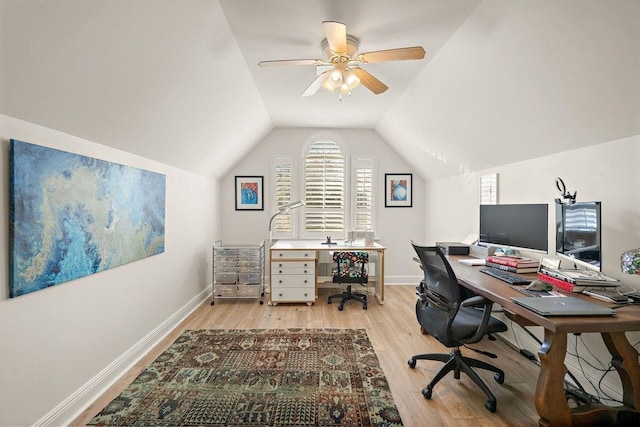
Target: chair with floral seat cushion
349,268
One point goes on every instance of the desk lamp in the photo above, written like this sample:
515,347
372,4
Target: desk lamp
284,209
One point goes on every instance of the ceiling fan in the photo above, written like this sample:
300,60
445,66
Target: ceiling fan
342,70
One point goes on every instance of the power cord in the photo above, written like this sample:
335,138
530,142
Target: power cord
579,396
602,394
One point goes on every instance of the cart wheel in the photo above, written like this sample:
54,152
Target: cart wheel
212,302
261,302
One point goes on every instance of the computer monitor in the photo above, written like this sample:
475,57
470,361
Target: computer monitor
579,233
518,226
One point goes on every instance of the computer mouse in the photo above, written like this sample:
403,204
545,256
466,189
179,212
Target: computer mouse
539,285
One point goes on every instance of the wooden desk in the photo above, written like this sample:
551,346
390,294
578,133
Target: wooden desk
549,397
316,245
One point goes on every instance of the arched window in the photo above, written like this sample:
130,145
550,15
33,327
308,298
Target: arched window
339,192
324,188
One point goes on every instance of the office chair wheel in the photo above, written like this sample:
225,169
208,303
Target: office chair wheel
426,392
364,307
499,378
489,404
412,363
328,300
341,307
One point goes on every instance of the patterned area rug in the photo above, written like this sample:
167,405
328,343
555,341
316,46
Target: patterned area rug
259,377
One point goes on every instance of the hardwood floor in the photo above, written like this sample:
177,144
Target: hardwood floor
395,335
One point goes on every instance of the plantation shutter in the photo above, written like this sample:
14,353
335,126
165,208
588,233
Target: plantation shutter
283,189
363,195
324,188
489,189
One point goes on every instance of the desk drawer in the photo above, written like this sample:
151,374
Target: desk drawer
293,267
297,270
293,280
293,294
293,255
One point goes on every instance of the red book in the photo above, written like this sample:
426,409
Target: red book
511,269
512,261
559,283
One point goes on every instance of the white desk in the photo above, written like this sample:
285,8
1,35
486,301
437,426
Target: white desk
317,246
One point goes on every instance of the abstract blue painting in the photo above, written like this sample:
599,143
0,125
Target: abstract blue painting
71,216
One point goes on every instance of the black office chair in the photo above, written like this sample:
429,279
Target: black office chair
350,267
444,314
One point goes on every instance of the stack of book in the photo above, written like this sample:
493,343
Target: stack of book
575,280
515,264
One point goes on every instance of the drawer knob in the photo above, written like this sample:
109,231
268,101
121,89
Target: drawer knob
306,254
280,271
280,294
305,281
279,281
279,254
305,294
305,271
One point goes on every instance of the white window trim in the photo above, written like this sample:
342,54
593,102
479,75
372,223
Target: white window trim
347,194
373,163
489,189
295,195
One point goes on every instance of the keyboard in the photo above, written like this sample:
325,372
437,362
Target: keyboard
505,276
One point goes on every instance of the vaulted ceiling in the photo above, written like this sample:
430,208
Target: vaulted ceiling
177,81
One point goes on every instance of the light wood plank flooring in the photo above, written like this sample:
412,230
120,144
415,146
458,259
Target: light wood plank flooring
395,335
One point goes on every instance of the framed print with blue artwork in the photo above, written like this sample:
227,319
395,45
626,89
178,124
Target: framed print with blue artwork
398,188
249,193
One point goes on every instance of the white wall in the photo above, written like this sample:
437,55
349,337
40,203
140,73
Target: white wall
55,344
396,227
607,172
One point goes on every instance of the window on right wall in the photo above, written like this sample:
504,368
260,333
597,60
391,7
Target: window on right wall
489,189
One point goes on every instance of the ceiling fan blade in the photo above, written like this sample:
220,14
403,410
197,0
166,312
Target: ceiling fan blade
415,52
316,84
336,36
370,82
290,62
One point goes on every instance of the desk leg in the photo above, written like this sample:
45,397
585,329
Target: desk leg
550,401
380,279
625,360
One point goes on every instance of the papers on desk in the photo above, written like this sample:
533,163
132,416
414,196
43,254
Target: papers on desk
472,261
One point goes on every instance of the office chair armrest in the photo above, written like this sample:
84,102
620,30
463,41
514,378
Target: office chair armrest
486,304
475,301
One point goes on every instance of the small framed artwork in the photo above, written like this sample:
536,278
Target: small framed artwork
398,188
249,193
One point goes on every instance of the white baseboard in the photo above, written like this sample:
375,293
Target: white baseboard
402,280
70,408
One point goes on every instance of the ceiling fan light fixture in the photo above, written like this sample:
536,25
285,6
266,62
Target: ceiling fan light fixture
341,70
350,79
328,86
335,79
